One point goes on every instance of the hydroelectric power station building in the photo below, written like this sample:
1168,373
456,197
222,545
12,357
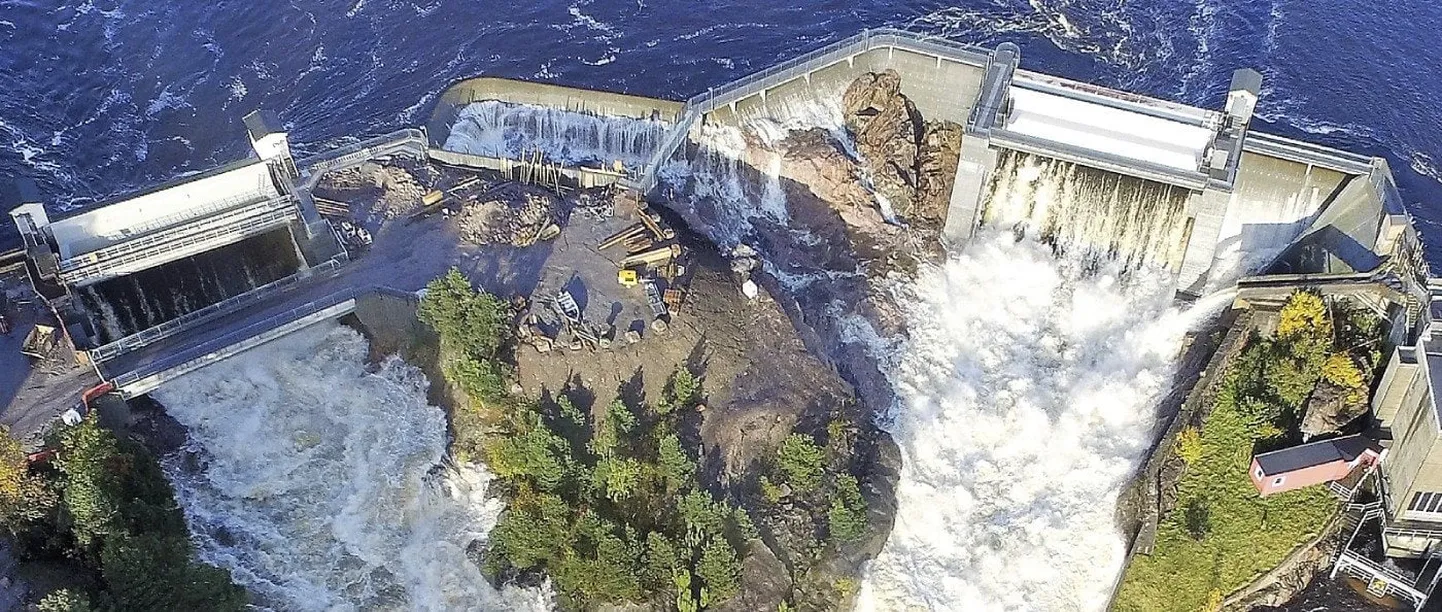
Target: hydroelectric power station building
1200,191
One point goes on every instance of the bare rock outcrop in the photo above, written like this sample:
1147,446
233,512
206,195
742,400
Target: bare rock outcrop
911,161
1330,408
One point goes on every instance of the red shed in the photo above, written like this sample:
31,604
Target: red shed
1312,463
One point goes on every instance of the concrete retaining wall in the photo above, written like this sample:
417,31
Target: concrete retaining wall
942,89
478,89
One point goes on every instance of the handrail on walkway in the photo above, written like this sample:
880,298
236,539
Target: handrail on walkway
749,85
240,335
169,328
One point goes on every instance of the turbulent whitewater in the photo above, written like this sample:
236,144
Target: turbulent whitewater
498,129
320,482
1026,399
1028,379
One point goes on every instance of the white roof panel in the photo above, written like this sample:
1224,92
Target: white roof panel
1106,129
162,208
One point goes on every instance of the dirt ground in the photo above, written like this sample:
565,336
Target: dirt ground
758,377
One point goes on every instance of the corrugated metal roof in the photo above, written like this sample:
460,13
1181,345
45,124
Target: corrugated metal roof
1313,454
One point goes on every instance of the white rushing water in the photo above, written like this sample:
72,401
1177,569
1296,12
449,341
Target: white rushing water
1027,395
1136,221
1027,385
320,482
498,129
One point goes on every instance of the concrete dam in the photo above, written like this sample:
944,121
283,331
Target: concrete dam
158,284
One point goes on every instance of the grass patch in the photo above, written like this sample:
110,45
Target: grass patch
1222,535
1241,534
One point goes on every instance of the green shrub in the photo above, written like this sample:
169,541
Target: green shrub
620,477
771,491
661,560
682,392
599,566
1304,313
483,379
846,519
720,570
685,389
800,461
475,322
532,531
677,467
155,572
1342,371
1189,445
533,454
701,515
65,600
613,425
24,496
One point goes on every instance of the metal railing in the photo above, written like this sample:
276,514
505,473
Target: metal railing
1414,533
240,223
1368,569
1286,148
798,66
140,239
406,140
867,40
205,210
169,328
203,352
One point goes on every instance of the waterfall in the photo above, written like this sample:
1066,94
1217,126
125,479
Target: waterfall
321,483
498,129
773,196
1026,381
1136,221
1027,388
123,306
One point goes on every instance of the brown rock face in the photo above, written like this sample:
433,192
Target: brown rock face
937,157
911,161
1330,408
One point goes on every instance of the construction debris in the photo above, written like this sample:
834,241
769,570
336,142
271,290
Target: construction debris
672,298
331,208
657,304
592,207
653,223
498,222
653,257
41,340
622,236
384,191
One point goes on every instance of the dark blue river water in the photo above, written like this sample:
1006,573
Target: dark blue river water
101,96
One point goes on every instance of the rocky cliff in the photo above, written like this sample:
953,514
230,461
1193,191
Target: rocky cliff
910,161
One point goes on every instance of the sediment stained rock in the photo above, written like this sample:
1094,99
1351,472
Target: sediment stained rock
911,161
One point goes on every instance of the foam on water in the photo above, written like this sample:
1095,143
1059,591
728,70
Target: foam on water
1028,380
322,485
1026,398
498,129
